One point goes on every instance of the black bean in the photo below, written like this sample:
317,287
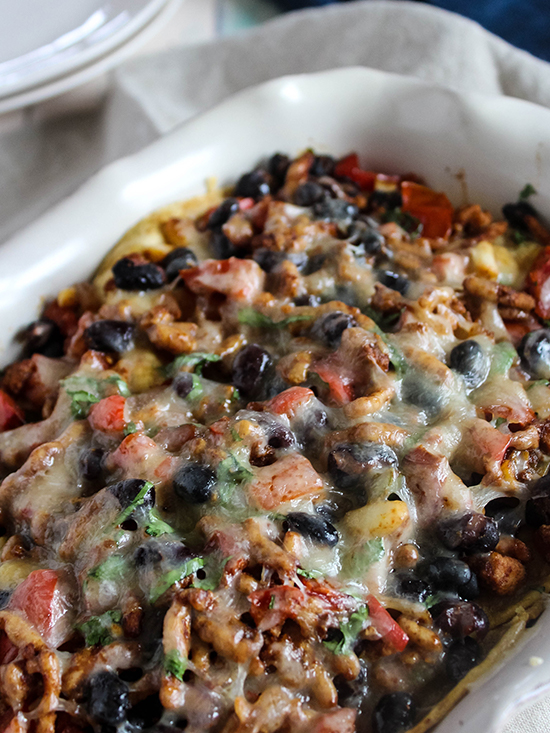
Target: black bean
308,193
300,259
423,393
534,350
90,464
394,713
323,165
537,509
413,588
43,337
366,239
318,529
126,491
315,262
107,698
387,199
252,185
470,532
223,213
183,384
277,167
147,555
460,618
330,327
278,436
468,359
268,259
352,692
445,573
349,461
180,258
395,281
144,714
249,369
470,590
338,210
110,336
129,276
222,246
194,483
5,596
307,299
461,657
515,214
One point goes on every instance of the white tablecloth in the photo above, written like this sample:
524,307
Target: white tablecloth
45,154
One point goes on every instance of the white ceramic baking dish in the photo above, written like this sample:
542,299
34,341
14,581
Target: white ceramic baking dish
475,148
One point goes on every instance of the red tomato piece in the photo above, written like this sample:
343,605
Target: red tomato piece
386,625
289,401
40,598
539,283
349,167
245,204
108,415
236,278
10,414
433,209
341,389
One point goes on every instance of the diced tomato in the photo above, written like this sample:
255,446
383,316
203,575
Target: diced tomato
246,203
386,626
289,401
238,279
271,607
433,209
539,283
341,389
41,599
349,167
108,415
64,317
10,414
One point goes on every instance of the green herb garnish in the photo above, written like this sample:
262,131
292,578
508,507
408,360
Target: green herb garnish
110,569
138,501
130,428
197,360
406,221
526,191
97,629
157,526
168,580
214,570
311,574
271,603
350,630
175,664
81,402
255,319
121,385
231,472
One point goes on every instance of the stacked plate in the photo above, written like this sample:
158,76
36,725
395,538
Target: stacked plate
47,49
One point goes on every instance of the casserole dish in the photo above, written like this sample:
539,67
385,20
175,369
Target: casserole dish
397,124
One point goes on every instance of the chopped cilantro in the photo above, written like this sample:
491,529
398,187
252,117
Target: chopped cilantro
359,559
196,360
384,321
175,664
196,390
311,574
81,402
271,603
130,428
434,599
97,629
110,569
157,526
349,629
504,355
526,191
173,576
230,473
121,385
518,237
255,319
138,501
406,221
214,570
235,435
500,421
538,383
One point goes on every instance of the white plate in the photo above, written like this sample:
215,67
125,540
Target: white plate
40,41
94,69
481,148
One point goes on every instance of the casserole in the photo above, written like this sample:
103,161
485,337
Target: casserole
407,125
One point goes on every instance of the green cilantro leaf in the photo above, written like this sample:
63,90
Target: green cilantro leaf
175,664
384,321
350,630
168,580
81,402
130,428
97,629
110,569
255,319
138,501
271,603
538,383
518,237
406,221
504,355
197,360
500,421
311,574
230,473
121,385
157,526
526,191
214,570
